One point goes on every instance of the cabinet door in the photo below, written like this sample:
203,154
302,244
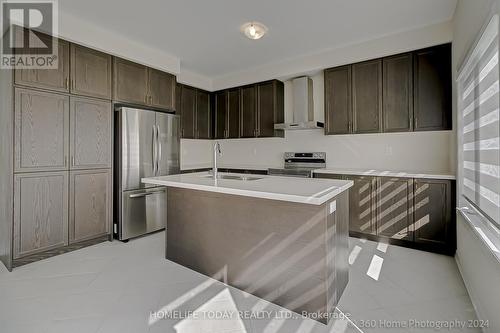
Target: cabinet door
178,100
188,113
367,96
202,114
394,205
41,131
220,114
90,133
433,205
233,113
90,72
130,82
40,212
270,108
362,204
338,104
53,79
90,204
161,89
398,93
248,112
432,88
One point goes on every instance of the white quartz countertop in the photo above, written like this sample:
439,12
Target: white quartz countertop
313,191
381,173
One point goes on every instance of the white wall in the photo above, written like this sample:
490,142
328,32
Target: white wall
481,273
480,269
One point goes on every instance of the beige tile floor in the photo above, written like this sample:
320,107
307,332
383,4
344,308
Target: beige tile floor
114,287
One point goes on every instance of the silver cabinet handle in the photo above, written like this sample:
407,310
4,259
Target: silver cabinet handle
159,148
154,150
72,160
141,195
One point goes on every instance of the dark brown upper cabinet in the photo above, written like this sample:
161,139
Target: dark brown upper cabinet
367,97
233,113
270,107
432,88
338,100
220,113
138,84
433,202
161,87
52,79
130,82
248,126
203,119
178,104
249,111
194,107
90,72
398,93
188,112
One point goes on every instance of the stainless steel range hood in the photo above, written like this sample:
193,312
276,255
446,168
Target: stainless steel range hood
303,107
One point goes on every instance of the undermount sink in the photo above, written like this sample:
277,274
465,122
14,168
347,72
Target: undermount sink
234,177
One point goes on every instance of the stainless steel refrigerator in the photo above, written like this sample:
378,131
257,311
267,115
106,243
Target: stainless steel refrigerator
147,144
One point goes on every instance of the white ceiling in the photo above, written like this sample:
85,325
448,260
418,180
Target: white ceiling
205,35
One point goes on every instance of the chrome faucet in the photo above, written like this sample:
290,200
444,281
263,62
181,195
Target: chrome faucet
217,151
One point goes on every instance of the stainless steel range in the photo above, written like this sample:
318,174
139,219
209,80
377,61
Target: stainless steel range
300,164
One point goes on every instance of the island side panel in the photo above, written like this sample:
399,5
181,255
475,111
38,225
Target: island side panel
273,249
337,244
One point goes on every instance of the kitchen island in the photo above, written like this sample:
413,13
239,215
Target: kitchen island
282,239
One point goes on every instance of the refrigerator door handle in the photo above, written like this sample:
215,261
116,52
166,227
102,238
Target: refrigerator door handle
154,151
159,148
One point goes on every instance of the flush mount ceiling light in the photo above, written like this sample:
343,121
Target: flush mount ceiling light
254,30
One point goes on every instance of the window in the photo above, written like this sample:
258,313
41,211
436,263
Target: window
478,103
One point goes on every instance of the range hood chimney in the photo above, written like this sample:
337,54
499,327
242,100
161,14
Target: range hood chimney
303,107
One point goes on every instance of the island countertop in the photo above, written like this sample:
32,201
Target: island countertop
313,191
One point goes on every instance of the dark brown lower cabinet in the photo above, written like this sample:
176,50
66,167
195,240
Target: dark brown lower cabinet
362,205
394,207
434,200
415,213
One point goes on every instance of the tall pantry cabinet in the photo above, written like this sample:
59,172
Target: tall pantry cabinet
56,156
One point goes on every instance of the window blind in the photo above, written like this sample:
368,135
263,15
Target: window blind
479,100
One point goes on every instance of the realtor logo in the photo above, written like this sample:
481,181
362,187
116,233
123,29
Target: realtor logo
28,28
